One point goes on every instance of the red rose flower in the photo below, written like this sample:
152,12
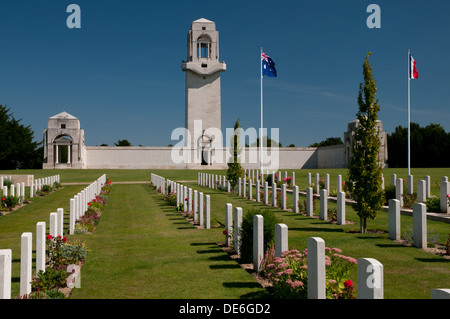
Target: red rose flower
348,283
49,237
64,239
225,232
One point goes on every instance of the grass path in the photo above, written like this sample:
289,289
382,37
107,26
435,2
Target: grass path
142,248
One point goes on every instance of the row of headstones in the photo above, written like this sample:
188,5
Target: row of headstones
79,203
26,252
56,229
276,175
18,190
369,271
423,190
192,200
209,180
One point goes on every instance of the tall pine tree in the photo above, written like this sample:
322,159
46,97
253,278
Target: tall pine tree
365,168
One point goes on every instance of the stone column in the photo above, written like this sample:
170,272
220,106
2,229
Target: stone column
283,196
258,242
316,268
250,190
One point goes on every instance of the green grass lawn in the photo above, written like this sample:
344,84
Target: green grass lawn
145,249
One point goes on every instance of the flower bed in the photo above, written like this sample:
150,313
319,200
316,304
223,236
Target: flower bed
63,259
288,274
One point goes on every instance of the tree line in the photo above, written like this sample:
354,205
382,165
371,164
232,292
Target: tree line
430,146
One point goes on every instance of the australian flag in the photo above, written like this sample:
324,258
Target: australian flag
268,66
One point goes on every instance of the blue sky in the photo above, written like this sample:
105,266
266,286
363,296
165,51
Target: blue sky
120,74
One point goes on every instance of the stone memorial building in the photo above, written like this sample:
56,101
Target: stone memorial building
64,143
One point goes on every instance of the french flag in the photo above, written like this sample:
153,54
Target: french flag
413,69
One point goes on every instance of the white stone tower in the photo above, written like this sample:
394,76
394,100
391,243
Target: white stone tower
203,70
64,143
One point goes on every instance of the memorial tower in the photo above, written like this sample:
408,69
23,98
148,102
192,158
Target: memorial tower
202,69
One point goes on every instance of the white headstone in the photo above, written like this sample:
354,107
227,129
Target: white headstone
26,263
5,273
258,242
340,208
228,222
323,204
309,202
40,246
420,225
281,239
237,228
369,279
394,219
316,268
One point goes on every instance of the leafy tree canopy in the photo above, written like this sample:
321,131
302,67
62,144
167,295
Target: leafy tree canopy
18,150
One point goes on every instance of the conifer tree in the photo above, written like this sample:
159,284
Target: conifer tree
234,165
365,168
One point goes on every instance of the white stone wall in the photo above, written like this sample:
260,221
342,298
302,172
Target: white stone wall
132,157
331,157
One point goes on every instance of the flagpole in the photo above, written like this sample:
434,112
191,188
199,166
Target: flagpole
409,115
261,138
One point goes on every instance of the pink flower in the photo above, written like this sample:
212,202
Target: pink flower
297,284
288,271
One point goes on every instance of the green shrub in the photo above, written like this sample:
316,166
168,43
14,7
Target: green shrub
72,254
389,193
10,202
433,204
246,232
171,199
7,182
49,279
